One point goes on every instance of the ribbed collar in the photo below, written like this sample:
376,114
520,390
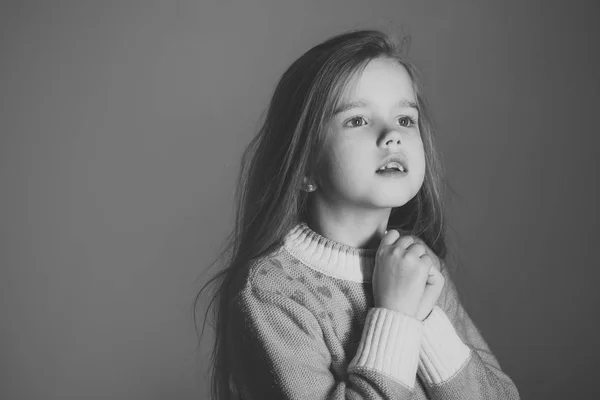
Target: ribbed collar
329,257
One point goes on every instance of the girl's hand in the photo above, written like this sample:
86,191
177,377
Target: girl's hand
402,268
435,284
433,289
434,257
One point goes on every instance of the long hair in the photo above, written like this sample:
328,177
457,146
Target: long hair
288,147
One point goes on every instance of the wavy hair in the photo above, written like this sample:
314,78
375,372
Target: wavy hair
287,147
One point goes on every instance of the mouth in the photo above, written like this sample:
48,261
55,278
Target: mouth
392,173
393,165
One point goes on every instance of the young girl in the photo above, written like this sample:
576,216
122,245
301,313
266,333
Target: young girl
337,286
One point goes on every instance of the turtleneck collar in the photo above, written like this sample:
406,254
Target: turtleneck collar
329,257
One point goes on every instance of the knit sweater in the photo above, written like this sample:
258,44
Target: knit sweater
302,325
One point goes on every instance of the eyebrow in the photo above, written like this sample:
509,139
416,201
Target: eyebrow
404,103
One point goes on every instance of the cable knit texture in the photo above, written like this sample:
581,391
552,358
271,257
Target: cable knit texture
302,325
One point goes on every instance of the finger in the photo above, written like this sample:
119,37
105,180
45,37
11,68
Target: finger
435,276
436,261
417,249
434,257
405,242
422,245
427,258
390,237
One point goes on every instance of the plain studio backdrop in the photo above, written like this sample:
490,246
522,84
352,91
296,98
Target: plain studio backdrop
122,124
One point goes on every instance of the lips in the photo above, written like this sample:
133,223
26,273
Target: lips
396,162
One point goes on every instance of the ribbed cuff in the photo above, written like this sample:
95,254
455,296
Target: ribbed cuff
442,351
390,344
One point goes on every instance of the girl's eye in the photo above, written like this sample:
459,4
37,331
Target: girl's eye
406,121
355,122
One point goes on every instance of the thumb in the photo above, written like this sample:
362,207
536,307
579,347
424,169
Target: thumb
434,277
433,290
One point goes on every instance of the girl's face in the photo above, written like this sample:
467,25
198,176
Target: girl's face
376,118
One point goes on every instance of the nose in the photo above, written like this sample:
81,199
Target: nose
391,138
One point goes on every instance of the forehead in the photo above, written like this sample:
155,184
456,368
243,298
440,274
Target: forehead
382,79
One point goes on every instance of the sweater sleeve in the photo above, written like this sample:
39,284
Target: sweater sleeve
455,362
279,352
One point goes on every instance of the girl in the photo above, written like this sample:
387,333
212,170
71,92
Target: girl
337,287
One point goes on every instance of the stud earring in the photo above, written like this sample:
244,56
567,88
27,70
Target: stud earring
308,187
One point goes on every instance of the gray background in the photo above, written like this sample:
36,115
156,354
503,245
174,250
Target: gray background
121,129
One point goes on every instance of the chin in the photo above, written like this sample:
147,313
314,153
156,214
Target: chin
392,201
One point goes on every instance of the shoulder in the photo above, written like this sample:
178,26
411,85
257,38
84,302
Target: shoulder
270,288
272,274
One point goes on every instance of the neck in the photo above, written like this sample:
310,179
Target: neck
359,228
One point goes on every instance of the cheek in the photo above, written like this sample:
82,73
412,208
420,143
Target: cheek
345,165
419,159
